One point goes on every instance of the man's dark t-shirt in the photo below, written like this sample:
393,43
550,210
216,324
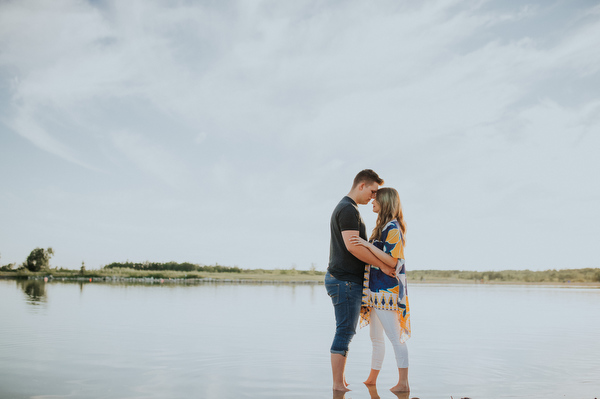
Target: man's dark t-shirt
342,264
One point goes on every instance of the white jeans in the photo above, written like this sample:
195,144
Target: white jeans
386,320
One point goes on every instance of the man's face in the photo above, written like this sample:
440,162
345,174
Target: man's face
368,193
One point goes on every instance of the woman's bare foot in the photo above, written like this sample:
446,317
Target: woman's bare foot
400,387
402,395
372,379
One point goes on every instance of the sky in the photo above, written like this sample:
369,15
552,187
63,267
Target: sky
226,132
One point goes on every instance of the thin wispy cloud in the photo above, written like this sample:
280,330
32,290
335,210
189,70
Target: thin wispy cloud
152,158
25,124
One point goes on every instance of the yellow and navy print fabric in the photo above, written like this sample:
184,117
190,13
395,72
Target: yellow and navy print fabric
385,292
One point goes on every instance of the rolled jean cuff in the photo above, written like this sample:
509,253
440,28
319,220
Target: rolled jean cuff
343,353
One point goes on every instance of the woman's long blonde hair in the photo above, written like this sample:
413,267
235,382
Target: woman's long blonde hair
390,208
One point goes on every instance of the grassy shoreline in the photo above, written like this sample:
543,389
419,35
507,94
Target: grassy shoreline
567,277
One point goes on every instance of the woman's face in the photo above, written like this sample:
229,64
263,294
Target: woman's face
376,207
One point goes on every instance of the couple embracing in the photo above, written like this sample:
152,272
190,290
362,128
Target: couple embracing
366,279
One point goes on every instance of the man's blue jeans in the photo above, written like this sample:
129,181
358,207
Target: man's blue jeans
346,297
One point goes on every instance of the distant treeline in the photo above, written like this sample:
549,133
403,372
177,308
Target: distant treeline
174,266
588,275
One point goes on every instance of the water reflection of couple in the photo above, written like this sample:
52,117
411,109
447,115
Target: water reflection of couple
366,280
373,393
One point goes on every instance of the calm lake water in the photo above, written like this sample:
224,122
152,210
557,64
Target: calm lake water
100,340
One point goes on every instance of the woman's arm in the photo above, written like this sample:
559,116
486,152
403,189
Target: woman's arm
364,254
387,259
359,251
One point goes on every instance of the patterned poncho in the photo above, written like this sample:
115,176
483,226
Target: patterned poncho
382,291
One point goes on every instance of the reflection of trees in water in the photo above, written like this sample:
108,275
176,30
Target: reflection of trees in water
35,290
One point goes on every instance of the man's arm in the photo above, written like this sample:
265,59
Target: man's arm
363,253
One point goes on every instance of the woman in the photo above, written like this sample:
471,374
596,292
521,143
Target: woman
385,301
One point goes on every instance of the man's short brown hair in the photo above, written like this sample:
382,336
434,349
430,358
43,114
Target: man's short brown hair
367,176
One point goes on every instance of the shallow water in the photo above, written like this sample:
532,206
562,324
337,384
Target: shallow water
100,340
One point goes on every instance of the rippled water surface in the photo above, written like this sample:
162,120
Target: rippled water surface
100,340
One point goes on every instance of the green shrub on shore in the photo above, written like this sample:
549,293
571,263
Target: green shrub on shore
8,268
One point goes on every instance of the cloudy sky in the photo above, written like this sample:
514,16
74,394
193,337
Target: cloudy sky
227,131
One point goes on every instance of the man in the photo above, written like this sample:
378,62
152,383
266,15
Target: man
345,273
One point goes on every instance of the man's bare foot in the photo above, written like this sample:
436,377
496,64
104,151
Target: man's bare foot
400,388
370,382
341,388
